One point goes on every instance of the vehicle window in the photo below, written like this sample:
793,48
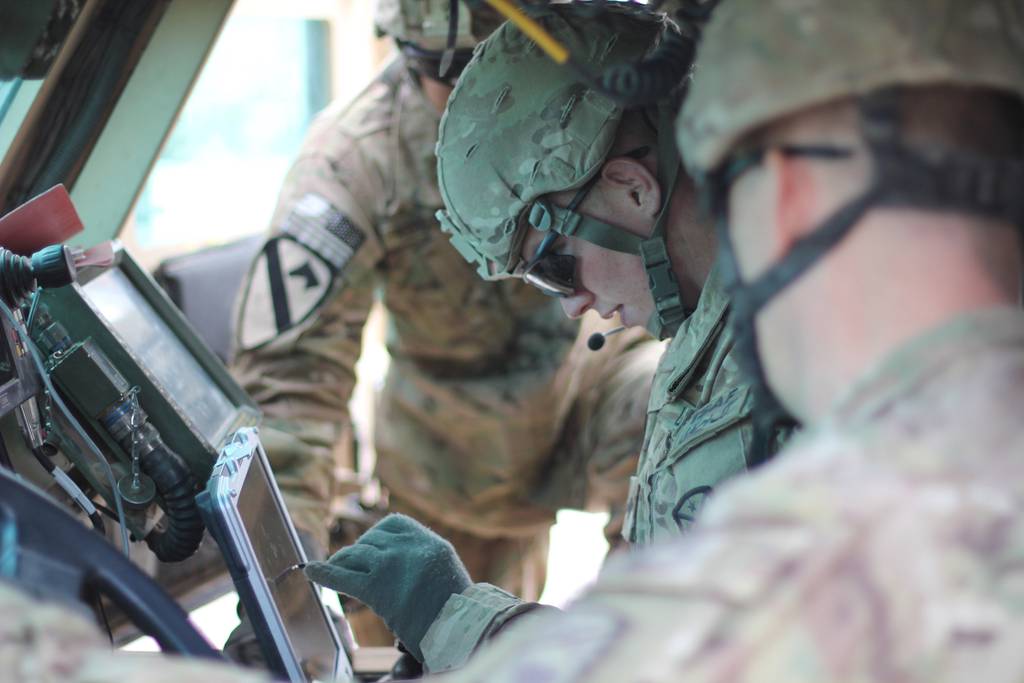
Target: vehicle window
16,97
17,94
219,172
8,90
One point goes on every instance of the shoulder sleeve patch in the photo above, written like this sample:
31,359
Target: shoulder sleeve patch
296,270
288,282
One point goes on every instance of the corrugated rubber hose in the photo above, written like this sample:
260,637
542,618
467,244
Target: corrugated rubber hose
176,485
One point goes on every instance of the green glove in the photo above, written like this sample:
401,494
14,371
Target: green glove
401,570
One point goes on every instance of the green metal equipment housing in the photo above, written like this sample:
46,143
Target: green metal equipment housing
118,317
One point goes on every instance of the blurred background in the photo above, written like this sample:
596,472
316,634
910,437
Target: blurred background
274,66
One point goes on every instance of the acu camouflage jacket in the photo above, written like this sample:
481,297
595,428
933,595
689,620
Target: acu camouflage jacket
698,434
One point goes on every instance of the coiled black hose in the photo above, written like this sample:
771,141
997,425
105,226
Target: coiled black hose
174,482
176,485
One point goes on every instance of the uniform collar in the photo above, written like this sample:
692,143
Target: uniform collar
698,332
411,81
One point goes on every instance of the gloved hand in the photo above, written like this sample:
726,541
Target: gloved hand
402,570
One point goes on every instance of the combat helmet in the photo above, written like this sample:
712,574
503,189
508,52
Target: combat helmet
423,33
519,127
763,60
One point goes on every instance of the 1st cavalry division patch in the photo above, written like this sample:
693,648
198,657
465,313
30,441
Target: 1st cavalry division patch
295,271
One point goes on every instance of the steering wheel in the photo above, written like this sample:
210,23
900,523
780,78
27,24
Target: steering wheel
54,556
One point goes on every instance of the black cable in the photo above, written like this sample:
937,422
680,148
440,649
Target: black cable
105,510
184,531
42,456
103,617
55,398
16,277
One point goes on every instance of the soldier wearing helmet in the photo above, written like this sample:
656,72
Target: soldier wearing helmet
549,182
885,544
864,162
420,29
494,414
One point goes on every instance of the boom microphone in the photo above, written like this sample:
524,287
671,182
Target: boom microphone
596,340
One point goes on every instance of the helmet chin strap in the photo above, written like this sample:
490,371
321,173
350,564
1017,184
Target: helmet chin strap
902,178
669,311
453,34
769,416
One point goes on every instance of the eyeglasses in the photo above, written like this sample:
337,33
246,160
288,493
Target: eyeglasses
716,198
742,162
553,274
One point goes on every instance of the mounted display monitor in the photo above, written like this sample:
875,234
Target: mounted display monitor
185,389
161,350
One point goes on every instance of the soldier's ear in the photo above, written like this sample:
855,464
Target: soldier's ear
631,186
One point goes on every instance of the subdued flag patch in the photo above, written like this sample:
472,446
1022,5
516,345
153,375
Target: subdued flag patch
314,222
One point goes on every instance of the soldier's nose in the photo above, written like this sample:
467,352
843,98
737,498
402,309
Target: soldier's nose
576,305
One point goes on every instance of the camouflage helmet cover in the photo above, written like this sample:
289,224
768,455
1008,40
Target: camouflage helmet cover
763,60
425,22
518,126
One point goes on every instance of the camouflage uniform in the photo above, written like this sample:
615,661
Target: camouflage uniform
791,575
46,643
493,414
698,431
698,435
885,545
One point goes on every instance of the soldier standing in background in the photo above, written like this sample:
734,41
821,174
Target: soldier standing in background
494,414
865,162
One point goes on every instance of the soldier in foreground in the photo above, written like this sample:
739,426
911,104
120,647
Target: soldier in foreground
494,414
46,643
865,161
569,200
